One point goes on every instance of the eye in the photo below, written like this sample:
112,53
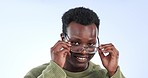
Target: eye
75,43
91,44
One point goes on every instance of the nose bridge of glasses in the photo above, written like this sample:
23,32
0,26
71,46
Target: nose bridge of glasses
83,49
89,50
80,48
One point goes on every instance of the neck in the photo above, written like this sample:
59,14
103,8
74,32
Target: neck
72,68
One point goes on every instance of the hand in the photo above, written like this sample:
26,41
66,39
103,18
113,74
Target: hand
110,61
59,52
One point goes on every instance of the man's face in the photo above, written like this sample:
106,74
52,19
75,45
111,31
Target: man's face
81,35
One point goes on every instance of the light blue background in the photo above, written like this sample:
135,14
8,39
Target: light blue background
28,28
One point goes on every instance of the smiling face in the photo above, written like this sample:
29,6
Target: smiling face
81,35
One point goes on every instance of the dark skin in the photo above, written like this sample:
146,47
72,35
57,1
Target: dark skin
61,54
85,37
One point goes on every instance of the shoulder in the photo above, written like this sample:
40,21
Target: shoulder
102,72
35,72
97,68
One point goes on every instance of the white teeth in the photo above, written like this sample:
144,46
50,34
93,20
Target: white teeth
81,58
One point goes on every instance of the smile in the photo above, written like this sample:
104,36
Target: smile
81,59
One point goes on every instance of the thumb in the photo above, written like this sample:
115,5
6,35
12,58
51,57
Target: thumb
100,53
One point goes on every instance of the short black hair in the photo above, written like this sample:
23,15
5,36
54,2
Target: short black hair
80,15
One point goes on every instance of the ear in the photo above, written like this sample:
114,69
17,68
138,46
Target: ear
62,36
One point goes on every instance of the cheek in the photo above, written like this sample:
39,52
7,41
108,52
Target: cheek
90,56
70,57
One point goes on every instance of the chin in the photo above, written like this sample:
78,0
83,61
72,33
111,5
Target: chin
81,65
78,64
77,67
78,61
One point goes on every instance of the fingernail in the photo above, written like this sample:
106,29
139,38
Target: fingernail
101,47
69,44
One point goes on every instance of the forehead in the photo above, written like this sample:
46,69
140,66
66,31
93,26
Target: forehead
76,29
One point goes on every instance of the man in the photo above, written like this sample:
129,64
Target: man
79,42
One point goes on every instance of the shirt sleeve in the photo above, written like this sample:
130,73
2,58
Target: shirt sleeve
118,74
29,75
53,71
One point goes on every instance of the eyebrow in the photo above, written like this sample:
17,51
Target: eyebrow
78,38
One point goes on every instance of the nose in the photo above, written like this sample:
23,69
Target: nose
84,50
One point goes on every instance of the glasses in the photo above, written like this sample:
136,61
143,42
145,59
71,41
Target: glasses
76,47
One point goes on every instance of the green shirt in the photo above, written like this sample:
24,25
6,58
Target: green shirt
52,70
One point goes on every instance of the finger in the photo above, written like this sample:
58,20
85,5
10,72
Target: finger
56,44
65,49
64,52
61,48
109,51
105,52
61,53
106,45
61,43
104,49
112,52
101,53
108,48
